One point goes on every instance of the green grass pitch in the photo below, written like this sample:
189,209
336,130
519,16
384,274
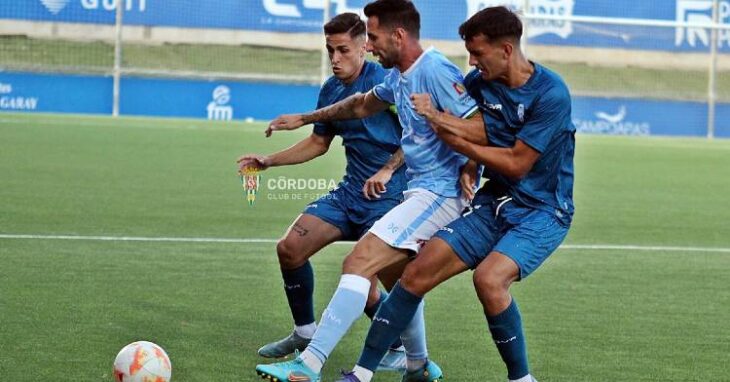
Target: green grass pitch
68,306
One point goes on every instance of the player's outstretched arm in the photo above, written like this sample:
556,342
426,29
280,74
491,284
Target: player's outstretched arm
472,128
376,185
355,106
303,151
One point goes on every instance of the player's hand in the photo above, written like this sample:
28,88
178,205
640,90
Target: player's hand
259,162
285,122
376,184
423,106
468,179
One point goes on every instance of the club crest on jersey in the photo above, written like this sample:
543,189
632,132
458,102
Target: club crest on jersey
250,180
459,88
521,112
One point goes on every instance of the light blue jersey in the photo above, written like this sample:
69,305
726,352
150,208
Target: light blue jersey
431,163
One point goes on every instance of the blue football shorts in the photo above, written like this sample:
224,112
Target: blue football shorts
349,211
499,224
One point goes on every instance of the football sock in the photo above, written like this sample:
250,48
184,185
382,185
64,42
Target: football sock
396,312
306,331
346,306
311,360
506,329
364,375
372,309
414,340
299,288
527,378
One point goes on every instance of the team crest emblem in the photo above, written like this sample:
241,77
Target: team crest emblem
250,180
521,112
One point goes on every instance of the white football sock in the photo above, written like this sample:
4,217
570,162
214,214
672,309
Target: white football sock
363,374
306,331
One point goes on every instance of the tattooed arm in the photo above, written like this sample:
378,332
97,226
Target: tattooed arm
355,106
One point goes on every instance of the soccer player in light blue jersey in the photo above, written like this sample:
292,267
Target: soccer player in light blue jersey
434,196
520,216
373,184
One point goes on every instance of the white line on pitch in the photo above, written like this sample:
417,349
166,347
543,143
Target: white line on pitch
269,241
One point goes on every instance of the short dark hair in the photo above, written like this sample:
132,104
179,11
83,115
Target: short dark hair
494,23
396,14
346,23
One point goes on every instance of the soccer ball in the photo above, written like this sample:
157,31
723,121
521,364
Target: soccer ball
142,361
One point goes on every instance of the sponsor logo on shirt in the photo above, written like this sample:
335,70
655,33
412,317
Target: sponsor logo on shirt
493,106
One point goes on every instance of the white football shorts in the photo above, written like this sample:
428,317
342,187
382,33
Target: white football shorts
410,224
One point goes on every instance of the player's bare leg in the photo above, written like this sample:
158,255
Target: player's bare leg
435,263
492,280
305,237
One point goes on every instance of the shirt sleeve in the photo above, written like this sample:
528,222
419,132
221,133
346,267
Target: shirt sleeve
323,128
546,119
384,90
449,92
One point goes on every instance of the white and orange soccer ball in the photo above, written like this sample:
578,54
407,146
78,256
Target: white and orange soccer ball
142,361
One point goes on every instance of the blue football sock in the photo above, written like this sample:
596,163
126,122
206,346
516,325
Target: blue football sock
299,288
372,309
414,336
506,328
346,306
395,313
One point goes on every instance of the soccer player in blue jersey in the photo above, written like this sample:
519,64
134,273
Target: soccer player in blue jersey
520,216
373,184
434,193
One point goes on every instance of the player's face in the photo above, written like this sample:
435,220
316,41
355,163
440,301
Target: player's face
491,58
346,54
381,43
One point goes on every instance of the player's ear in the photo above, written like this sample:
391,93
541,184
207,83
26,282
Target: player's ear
507,48
399,34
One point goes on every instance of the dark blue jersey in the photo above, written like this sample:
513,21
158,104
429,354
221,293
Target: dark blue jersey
369,142
539,114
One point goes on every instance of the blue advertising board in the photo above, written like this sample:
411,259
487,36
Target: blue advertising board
237,100
440,19
26,92
216,100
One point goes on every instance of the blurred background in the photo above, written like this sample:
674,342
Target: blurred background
635,68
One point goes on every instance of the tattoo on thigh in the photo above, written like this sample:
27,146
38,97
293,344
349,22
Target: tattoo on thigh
299,229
